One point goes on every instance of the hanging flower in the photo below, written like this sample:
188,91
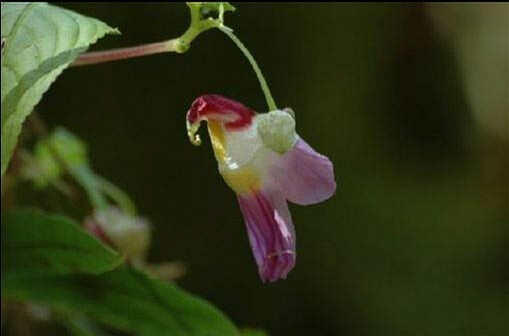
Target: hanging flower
130,234
266,163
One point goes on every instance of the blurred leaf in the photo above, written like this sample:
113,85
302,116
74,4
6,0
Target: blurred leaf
129,300
71,149
63,151
43,167
35,244
41,40
71,153
79,325
484,69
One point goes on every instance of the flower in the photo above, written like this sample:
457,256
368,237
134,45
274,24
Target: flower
130,234
266,163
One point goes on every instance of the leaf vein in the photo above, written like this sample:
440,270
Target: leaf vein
17,24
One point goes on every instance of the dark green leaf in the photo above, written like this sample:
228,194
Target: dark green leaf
35,244
128,300
79,325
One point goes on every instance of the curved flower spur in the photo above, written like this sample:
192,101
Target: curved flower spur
266,163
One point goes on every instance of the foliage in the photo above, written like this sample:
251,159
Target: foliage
97,272
32,58
36,245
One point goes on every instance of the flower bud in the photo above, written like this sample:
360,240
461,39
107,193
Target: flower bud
130,235
277,130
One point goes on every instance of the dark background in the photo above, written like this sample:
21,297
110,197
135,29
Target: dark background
408,101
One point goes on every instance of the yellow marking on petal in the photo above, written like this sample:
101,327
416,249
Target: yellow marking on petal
242,180
217,138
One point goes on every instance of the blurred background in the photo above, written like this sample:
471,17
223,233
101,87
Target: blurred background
410,102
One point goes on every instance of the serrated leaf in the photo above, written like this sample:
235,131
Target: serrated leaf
35,245
128,300
39,42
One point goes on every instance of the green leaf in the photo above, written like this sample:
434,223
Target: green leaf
44,168
41,40
35,245
128,300
79,325
71,149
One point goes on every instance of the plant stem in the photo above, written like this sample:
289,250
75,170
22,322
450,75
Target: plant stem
180,44
263,83
40,129
116,194
129,52
81,174
86,178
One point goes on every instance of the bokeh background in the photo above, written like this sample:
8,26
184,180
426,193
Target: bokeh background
410,102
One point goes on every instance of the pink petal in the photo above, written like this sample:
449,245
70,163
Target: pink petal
271,234
233,114
305,176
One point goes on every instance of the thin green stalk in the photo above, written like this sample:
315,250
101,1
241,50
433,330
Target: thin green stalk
179,45
263,83
117,195
81,174
87,180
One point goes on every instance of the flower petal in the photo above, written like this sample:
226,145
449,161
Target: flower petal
271,233
305,176
233,114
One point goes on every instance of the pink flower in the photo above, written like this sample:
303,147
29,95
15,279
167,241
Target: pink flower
266,163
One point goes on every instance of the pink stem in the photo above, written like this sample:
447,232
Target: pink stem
124,53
